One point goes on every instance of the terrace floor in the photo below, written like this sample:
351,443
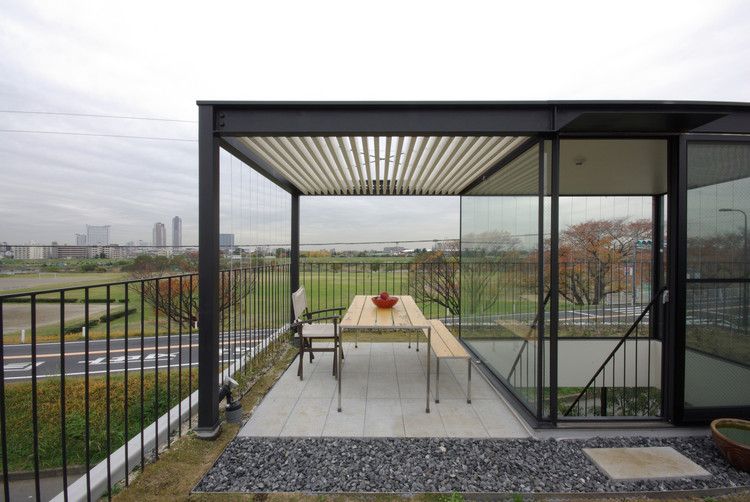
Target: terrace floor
383,441
383,395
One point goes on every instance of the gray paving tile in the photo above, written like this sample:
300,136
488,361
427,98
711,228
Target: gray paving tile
383,418
383,395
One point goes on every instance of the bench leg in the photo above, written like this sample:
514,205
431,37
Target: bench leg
468,397
429,345
437,381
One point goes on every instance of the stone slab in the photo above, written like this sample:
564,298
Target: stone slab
662,462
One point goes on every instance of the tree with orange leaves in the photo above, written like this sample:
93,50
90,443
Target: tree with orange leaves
589,253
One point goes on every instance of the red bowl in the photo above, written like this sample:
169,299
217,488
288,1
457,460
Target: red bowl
385,304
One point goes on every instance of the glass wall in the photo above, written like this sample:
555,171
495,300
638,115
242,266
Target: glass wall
500,275
717,330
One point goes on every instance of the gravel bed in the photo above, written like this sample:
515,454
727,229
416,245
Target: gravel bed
416,465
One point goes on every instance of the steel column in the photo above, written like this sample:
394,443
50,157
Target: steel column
673,371
294,258
209,425
554,286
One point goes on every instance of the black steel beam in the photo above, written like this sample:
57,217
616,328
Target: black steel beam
517,152
478,118
321,119
237,148
209,425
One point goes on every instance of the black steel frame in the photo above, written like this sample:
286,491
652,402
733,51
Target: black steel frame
221,123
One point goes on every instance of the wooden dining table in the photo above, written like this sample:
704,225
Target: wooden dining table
363,314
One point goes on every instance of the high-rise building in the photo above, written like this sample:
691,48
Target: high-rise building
80,239
177,232
159,236
226,241
96,235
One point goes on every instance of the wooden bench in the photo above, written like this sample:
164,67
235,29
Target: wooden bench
446,346
518,328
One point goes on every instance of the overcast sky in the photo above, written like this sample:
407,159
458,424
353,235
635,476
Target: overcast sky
70,71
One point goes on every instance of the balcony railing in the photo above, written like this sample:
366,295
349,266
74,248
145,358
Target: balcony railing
104,374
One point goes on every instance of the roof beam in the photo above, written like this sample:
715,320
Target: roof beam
237,148
382,119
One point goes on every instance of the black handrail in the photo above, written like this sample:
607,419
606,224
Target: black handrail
532,327
614,351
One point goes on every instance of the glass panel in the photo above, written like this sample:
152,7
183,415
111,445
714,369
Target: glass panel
717,341
500,275
605,259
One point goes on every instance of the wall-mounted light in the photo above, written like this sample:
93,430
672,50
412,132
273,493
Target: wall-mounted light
234,408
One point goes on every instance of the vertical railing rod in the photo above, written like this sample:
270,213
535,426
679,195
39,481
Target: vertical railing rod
63,404
191,316
34,403
3,431
157,305
170,302
143,369
87,404
126,395
180,347
108,392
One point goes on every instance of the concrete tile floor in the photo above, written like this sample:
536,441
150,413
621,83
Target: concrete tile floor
383,395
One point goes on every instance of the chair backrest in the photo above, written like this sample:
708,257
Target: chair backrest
299,302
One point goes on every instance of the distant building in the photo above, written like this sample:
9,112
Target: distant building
70,252
226,241
177,232
114,252
394,250
81,240
32,251
159,235
96,235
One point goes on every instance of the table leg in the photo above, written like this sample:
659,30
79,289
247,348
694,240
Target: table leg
339,356
429,356
437,380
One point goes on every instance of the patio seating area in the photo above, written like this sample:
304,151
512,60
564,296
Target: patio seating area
383,395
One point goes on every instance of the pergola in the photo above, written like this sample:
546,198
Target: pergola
445,148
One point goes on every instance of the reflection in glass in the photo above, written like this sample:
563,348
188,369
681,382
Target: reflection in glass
500,274
717,332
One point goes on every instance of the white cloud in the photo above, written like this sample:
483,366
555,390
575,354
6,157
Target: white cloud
156,59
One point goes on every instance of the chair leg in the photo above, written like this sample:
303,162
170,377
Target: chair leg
301,357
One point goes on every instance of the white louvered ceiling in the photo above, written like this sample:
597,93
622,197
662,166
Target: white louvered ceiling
382,165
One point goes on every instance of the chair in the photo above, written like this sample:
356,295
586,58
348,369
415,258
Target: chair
308,327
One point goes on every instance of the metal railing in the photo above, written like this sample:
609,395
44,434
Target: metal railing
94,370
614,389
335,283
136,344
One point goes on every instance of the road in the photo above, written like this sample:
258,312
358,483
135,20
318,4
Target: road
172,352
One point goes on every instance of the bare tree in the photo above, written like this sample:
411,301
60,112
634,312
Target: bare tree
170,287
434,277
